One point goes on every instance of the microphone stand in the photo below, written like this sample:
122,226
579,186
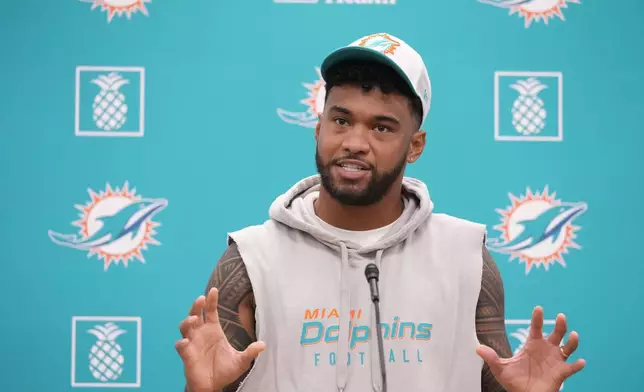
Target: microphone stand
372,273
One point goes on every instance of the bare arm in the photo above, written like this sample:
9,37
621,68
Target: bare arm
236,304
490,319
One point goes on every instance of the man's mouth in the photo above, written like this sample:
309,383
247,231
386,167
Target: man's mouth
352,170
353,165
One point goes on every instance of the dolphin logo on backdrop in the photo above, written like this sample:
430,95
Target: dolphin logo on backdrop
119,7
538,229
116,225
533,10
314,103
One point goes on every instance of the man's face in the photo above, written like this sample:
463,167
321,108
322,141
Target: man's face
364,142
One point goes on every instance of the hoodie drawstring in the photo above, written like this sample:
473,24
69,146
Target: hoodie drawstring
376,380
343,339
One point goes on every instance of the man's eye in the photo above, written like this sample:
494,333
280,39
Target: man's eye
382,128
341,121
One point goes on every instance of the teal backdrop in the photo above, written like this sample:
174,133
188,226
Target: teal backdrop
183,120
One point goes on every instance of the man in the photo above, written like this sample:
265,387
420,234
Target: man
294,288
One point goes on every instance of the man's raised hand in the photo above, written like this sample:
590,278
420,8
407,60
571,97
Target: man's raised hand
541,364
210,362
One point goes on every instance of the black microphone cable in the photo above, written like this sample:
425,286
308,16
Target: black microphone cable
372,273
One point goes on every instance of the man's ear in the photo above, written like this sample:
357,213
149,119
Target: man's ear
416,146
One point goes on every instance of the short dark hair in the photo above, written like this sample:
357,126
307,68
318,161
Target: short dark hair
369,75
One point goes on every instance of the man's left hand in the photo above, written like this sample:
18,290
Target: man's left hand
541,365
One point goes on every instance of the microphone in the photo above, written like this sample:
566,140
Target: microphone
372,273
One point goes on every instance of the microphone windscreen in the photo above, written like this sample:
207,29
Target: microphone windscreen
371,271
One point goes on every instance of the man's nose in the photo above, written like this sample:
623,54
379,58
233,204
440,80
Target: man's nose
356,140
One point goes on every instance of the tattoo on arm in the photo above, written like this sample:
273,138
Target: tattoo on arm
490,319
231,279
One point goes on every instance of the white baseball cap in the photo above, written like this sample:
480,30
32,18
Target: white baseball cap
393,52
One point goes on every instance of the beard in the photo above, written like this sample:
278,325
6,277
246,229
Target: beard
379,183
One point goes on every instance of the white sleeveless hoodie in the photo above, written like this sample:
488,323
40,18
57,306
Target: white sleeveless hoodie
314,309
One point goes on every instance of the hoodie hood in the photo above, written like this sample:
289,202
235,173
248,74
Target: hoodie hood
291,209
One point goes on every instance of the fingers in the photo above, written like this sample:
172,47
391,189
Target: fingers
197,306
567,350
571,345
489,356
184,349
573,368
536,325
188,325
251,352
196,310
212,300
194,321
560,330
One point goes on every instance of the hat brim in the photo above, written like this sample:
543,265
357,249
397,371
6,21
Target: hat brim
350,53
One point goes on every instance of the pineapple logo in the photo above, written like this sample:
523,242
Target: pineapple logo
105,358
115,225
314,103
533,10
106,351
528,114
110,109
119,7
537,229
110,101
528,106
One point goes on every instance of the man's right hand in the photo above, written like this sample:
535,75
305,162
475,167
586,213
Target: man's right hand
210,362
